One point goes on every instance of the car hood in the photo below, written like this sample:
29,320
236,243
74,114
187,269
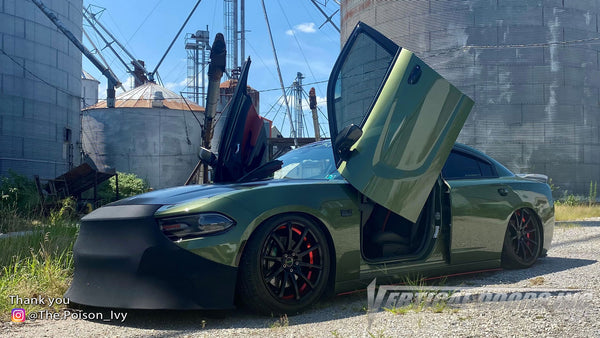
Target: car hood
178,195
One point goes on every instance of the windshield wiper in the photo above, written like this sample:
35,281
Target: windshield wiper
262,171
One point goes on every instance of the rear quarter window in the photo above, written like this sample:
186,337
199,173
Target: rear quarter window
464,166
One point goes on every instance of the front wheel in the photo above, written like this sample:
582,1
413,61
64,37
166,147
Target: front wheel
285,266
522,241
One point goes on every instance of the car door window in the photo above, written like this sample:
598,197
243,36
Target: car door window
355,82
463,166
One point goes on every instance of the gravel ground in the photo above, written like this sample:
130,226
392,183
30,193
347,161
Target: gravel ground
571,265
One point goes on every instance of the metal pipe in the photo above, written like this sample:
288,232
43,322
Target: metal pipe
216,68
235,35
133,59
101,56
312,102
111,78
243,29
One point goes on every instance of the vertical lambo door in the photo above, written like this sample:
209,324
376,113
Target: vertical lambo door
393,121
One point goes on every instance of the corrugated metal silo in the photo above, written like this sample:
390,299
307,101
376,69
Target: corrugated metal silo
152,132
532,67
40,88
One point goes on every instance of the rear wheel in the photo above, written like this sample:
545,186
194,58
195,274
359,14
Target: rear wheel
285,266
522,241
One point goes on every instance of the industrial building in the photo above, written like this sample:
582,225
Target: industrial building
152,132
40,89
532,67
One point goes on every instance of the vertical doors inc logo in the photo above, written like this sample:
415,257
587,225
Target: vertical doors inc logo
17,315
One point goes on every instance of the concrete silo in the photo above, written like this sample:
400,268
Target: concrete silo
40,88
532,67
152,132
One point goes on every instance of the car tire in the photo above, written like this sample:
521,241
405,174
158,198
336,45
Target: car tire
285,266
523,240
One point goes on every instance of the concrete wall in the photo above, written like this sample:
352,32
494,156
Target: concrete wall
158,145
537,98
40,88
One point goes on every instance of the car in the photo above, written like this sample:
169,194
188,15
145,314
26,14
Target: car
390,195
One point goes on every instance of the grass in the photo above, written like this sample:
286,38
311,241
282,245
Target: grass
576,212
36,264
282,322
419,304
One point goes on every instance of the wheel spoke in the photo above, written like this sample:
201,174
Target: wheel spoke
289,243
530,231
523,246
272,275
532,242
512,224
306,279
283,281
518,246
278,242
295,283
312,266
304,233
305,252
528,248
272,258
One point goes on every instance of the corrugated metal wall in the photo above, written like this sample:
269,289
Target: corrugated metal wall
532,67
40,88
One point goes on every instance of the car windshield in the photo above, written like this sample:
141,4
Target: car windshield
314,161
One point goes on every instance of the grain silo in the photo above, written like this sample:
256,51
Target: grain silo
152,132
89,89
532,67
40,88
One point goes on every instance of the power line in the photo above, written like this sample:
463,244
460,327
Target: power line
143,21
37,77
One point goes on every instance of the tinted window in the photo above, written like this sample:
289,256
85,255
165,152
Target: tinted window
362,73
314,161
461,165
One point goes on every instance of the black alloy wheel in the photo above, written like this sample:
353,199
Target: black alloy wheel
522,241
285,266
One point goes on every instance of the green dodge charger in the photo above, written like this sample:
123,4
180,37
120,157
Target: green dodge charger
391,195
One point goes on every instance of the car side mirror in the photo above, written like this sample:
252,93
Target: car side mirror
346,139
207,156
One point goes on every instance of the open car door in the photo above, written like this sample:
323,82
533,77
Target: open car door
243,145
393,121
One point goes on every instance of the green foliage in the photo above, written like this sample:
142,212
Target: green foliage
569,200
19,202
592,193
36,263
65,212
18,193
129,185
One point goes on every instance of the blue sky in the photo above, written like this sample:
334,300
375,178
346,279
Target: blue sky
147,27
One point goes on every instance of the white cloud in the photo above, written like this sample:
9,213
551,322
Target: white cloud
307,27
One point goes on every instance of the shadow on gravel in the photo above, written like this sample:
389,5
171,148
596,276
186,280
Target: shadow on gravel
574,241
344,306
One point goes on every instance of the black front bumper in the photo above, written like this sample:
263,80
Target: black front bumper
122,260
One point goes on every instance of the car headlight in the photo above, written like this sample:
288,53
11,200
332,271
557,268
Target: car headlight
196,225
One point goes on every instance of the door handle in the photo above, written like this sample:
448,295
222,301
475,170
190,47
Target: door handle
503,192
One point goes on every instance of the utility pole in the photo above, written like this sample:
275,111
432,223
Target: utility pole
297,93
312,102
